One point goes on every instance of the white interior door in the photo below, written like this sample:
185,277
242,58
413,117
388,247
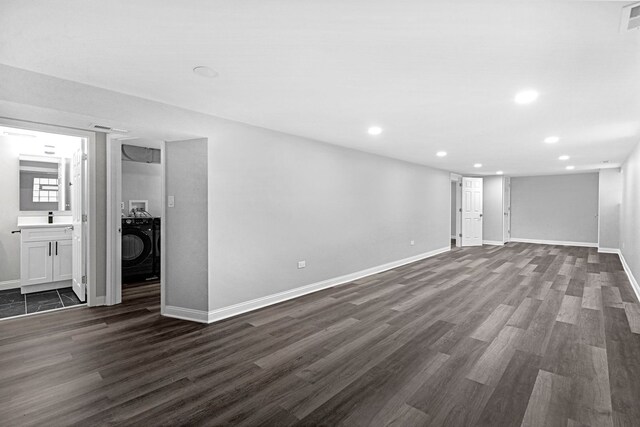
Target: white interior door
78,170
471,211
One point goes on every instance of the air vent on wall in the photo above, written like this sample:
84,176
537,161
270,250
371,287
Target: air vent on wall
108,128
630,18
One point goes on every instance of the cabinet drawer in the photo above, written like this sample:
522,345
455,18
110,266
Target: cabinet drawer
40,234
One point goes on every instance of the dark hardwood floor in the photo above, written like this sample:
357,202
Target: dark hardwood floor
524,334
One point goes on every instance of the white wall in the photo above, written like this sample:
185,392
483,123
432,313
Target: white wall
142,181
272,198
555,208
492,196
280,199
610,198
630,215
186,226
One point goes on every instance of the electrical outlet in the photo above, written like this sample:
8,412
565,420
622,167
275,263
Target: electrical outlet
412,242
302,264
121,205
172,201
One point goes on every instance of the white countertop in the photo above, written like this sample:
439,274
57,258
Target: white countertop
41,221
46,225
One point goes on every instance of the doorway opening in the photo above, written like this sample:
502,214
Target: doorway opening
135,213
44,218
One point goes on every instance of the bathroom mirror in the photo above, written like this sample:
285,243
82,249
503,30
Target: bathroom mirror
44,184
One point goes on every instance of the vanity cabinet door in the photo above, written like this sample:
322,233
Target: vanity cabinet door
36,263
62,260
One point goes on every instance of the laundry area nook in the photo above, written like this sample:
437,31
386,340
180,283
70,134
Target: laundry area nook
141,214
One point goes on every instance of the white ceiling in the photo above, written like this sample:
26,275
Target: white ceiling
434,75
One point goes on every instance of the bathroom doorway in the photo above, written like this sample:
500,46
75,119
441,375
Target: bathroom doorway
45,218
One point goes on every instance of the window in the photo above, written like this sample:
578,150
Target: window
45,190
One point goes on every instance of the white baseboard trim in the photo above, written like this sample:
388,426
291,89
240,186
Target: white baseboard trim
634,282
199,316
99,301
244,307
554,242
493,242
609,251
9,284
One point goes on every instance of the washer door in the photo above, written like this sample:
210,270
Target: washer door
136,247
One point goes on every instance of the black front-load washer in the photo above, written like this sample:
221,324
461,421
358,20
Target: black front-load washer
138,249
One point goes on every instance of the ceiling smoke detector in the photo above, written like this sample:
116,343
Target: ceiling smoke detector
630,19
204,71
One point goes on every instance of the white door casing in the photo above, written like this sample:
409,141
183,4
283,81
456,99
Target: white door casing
471,211
77,211
507,210
114,221
457,232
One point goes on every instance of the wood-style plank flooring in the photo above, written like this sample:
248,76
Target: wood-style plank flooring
524,334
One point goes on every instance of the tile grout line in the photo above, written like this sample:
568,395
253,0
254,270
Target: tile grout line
60,298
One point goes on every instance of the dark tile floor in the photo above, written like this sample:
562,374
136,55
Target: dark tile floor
13,303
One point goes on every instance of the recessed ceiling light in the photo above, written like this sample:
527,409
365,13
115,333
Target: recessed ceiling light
477,165
526,96
374,130
204,71
441,153
551,139
499,173
570,168
563,157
